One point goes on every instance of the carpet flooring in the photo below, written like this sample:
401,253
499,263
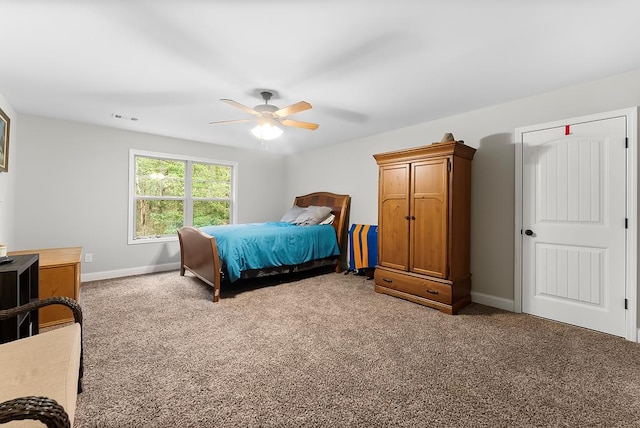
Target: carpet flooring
327,351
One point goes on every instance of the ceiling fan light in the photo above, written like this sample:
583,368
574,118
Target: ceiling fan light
266,131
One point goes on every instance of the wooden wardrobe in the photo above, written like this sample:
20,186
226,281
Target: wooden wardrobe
424,205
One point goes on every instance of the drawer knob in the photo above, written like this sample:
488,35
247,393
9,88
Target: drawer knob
387,280
432,291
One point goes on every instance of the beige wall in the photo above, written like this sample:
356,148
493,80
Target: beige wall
72,190
350,168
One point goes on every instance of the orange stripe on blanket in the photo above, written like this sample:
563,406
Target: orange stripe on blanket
357,254
365,247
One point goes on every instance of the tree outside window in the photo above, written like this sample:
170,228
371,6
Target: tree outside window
169,193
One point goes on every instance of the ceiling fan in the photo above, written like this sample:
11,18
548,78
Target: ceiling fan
269,116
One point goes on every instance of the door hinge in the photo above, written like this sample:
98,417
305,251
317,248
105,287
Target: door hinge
626,303
449,165
626,142
626,223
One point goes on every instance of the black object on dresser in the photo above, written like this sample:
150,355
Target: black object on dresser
18,286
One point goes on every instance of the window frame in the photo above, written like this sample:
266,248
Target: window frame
188,197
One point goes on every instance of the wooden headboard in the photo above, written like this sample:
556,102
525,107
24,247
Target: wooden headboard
340,207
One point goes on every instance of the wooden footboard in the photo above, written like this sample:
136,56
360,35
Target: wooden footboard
199,254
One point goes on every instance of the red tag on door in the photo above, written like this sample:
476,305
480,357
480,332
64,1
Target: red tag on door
567,129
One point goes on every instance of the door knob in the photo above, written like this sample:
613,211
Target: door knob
528,232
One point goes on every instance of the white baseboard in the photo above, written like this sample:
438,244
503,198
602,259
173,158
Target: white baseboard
95,276
481,298
493,301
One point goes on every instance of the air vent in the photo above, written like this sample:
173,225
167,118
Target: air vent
123,117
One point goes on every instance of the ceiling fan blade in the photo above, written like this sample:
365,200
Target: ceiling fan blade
231,121
241,106
298,124
293,108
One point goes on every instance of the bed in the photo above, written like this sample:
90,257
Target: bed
212,261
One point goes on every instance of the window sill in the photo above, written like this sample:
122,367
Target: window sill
160,239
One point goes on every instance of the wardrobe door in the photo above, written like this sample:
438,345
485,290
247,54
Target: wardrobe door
429,217
393,217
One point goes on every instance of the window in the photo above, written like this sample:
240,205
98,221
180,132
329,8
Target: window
171,191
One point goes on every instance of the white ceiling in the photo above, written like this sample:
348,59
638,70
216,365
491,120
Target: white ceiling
366,66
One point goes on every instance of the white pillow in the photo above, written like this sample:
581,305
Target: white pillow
313,215
292,214
328,220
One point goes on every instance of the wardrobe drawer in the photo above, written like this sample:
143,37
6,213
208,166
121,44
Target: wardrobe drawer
414,285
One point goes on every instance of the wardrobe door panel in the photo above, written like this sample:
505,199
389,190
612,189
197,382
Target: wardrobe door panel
393,230
429,218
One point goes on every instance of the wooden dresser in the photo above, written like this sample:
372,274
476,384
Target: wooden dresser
59,276
424,205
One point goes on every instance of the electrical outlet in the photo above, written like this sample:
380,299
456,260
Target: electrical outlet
88,258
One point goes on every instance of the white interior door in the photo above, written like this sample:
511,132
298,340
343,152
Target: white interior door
574,225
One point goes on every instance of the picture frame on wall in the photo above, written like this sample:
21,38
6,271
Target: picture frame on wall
5,123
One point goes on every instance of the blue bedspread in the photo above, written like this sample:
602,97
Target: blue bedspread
261,245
